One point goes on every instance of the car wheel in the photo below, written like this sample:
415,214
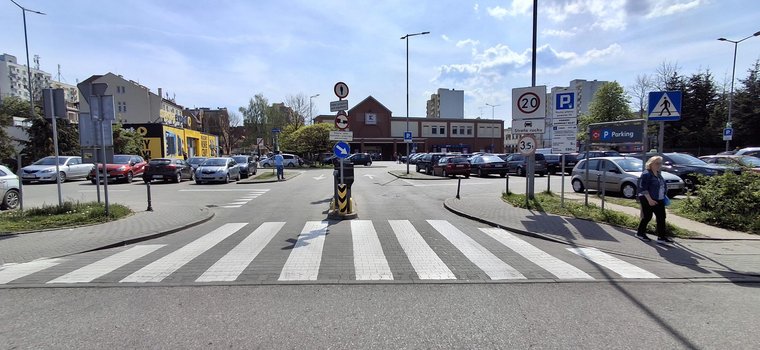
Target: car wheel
192,176
429,171
227,179
418,168
629,190
93,181
444,173
178,177
198,182
541,174
291,165
520,171
577,186
266,165
467,176
62,176
480,172
368,164
503,174
11,199
238,177
25,182
130,177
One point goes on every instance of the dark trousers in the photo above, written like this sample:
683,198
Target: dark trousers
646,216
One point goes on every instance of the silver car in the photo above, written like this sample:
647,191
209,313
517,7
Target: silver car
9,187
619,174
43,170
221,169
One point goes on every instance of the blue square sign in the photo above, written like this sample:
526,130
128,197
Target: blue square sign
664,105
407,136
564,101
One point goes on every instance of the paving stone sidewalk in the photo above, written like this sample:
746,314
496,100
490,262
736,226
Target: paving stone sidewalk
142,225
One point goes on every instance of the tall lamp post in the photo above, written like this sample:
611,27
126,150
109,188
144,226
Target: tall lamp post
492,118
311,118
24,10
406,37
733,72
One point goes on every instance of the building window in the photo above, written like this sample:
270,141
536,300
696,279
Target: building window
443,130
435,131
453,130
469,130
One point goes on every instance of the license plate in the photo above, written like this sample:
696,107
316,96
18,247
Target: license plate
30,176
460,166
158,176
670,186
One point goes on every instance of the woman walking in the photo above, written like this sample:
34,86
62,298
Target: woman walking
652,190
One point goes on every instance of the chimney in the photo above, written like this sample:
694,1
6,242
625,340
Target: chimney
159,93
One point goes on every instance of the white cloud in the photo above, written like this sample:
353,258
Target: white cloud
463,43
445,37
614,14
667,8
476,8
559,33
519,7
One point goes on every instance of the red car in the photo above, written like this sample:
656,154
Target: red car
452,166
125,168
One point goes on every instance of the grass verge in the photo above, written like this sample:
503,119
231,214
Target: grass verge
550,203
54,216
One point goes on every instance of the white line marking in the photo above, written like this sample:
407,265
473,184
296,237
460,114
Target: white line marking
108,190
159,269
230,266
494,267
369,259
237,203
231,206
12,272
306,255
622,268
556,267
104,266
426,263
218,190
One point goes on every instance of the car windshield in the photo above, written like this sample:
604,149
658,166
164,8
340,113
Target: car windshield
629,164
750,161
215,162
459,160
489,159
121,159
50,161
160,161
241,159
196,160
685,159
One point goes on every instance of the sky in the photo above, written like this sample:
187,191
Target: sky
221,53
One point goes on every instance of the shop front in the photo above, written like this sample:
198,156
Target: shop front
163,141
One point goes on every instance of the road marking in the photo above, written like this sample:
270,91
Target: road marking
369,259
425,261
108,190
237,203
219,190
230,266
306,255
452,183
494,267
320,177
231,206
622,268
159,269
556,267
12,272
371,177
104,266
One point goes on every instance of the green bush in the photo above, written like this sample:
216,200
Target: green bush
729,201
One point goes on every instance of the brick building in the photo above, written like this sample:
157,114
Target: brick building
376,130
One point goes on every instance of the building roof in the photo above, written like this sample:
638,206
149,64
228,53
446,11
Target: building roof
368,99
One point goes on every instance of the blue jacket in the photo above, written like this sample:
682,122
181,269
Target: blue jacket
649,183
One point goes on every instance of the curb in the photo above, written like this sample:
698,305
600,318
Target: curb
253,180
210,215
427,177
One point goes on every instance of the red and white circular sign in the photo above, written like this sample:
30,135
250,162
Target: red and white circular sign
528,102
341,90
341,120
527,145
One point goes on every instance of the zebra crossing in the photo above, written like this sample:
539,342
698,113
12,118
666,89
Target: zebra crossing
237,202
357,250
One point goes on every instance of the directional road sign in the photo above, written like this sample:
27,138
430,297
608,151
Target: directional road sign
341,90
728,134
526,145
664,105
341,149
407,136
339,105
529,102
341,120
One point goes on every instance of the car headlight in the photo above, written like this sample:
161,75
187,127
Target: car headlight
710,171
121,168
220,171
47,171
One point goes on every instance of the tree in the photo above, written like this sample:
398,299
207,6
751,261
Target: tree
640,92
609,104
126,141
300,105
255,120
698,126
745,116
234,138
10,107
308,140
40,142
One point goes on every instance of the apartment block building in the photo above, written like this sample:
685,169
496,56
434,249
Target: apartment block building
14,79
446,103
584,95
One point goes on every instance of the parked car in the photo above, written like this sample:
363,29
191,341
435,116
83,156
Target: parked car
168,169
124,168
452,166
749,151
571,159
485,165
518,163
426,161
360,158
596,154
247,165
289,161
219,169
621,174
553,163
195,162
43,170
9,187
414,158
745,162
687,167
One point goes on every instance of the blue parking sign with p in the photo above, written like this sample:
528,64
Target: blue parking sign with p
565,101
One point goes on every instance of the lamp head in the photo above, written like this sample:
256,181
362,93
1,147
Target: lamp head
756,34
722,39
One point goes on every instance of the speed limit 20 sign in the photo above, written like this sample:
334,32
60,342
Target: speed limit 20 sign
529,102
526,145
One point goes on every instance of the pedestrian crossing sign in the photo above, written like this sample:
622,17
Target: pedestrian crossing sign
664,105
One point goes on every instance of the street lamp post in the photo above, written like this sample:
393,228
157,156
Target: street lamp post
311,118
492,119
406,37
733,72
28,66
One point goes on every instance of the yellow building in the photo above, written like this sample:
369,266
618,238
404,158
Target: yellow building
163,141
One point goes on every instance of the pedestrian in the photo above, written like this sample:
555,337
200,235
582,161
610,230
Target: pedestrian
278,163
652,194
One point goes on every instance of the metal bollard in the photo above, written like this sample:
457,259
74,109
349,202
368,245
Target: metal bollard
604,179
548,182
150,207
507,183
459,184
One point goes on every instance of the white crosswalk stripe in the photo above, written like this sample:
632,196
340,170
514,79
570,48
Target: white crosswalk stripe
306,255
547,262
230,266
158,270
371,255
425,261
620,267
369,259
479,255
